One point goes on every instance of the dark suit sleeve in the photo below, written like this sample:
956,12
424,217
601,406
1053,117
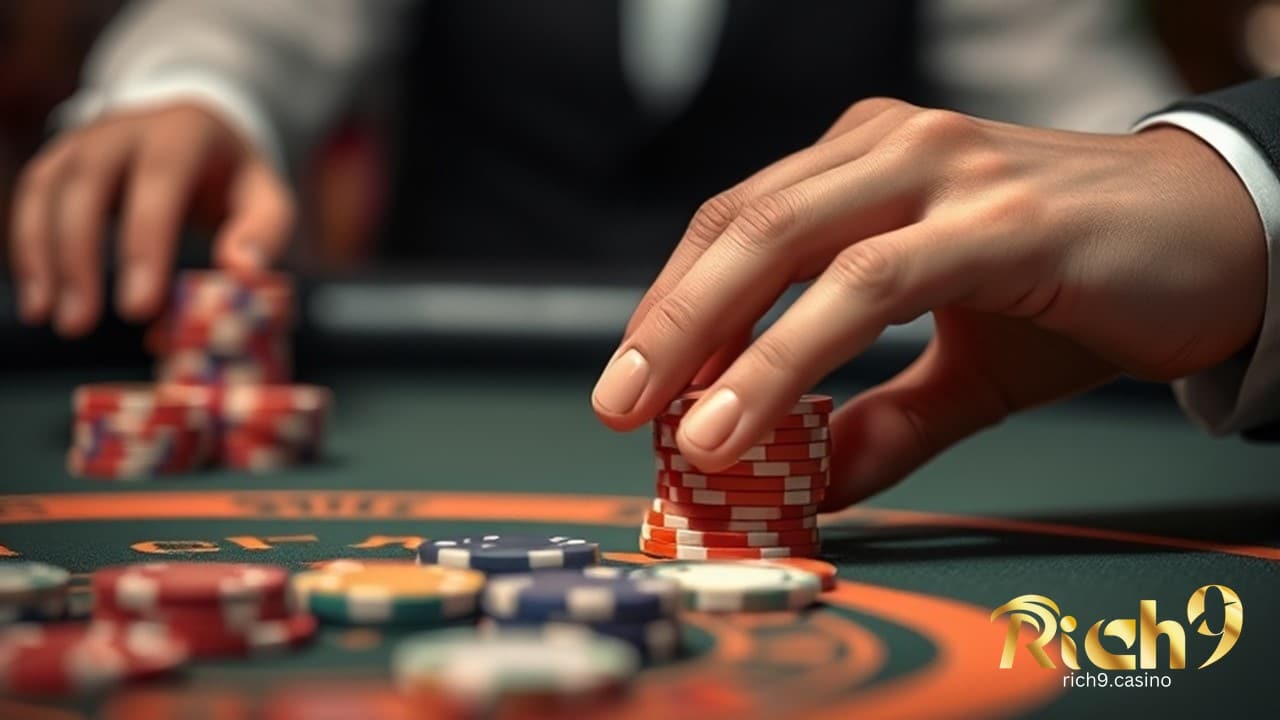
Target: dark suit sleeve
1253,110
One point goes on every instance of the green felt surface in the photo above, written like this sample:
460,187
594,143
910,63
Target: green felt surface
1091,463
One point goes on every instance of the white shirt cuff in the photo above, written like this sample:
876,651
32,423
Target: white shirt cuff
209,90
1243,392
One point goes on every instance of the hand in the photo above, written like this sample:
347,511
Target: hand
1052,262
160,163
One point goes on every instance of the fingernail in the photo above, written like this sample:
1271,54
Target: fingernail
622,382
712,421
137,287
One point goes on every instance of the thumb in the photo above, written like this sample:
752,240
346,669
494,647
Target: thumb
884,434
977,370
259,222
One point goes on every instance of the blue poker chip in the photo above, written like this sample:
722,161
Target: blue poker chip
594,594
509,553
656,640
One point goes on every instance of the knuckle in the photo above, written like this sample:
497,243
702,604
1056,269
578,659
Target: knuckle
772,355
987,166
767,219
930,126
878,104
865,109
674,315
712,217
866,267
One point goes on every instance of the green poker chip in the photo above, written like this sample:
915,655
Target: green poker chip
737,587
484,668
356,593
33,591
19,580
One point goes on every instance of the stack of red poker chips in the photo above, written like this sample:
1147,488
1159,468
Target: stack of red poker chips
67,659
217,609
226,328
223,393
134,430
266,427
765,505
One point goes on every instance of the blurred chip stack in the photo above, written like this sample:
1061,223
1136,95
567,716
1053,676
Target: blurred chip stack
642,612
765,505
224,392
225,329
217,609
136,430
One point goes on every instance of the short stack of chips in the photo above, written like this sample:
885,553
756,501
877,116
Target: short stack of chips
757,586
266,427
217,609
639,611
64,659
227,329
387,593
764,505
497,554
134,430
224,392
565,672
33,591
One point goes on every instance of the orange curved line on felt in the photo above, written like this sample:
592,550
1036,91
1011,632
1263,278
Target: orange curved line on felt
428,505
965,671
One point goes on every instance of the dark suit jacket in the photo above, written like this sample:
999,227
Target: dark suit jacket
579,174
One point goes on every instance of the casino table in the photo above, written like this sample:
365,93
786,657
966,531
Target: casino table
1096,504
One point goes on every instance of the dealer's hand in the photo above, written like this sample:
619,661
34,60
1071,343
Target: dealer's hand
1052,262
161,165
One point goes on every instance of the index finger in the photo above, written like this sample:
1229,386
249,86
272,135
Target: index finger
854,135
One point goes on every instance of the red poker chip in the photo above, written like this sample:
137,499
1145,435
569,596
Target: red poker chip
767,483
733,512
697,552
194,367
670,460
130,467
161,401
144,587
216,616
746,498
241,402
807,404
247,450
228,339
81,658
825,571
666,520
263,636
673,536
174,445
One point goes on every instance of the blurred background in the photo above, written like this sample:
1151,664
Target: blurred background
376,271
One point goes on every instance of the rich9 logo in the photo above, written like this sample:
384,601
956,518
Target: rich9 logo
1136,637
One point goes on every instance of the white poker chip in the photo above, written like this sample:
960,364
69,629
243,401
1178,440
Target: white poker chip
737,587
